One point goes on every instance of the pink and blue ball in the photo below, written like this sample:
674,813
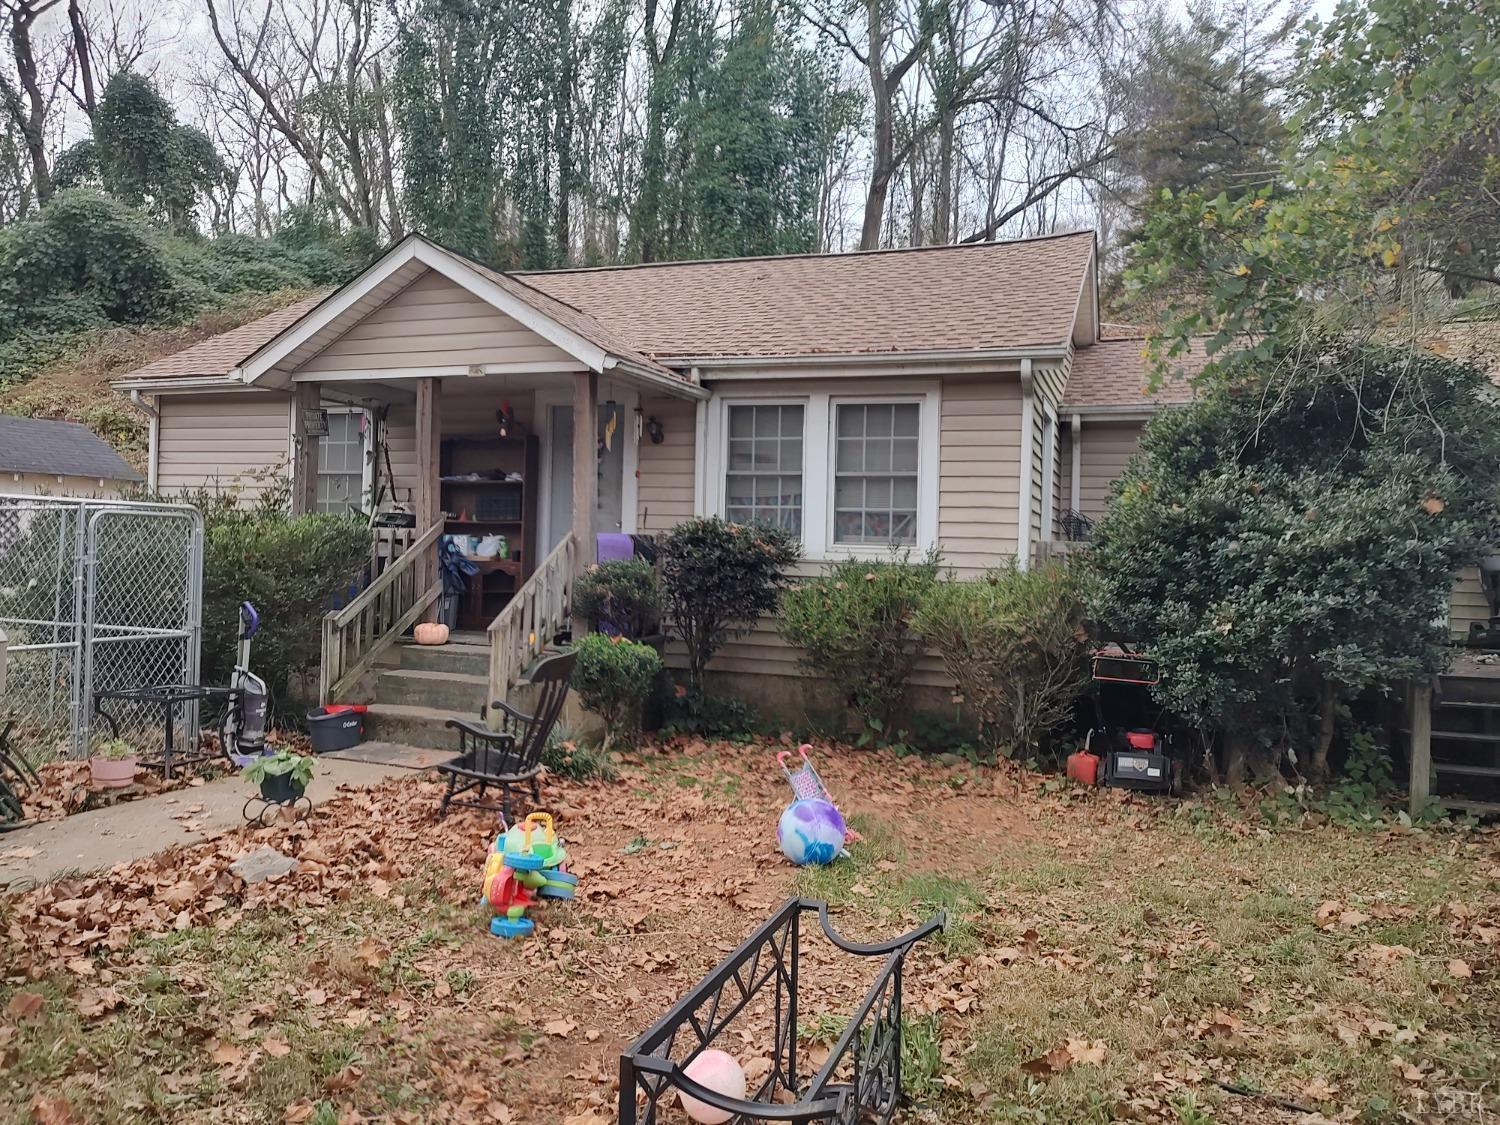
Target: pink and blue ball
720,1072
811,831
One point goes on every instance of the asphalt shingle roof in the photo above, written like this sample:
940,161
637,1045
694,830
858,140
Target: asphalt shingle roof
221,354
1114,373
970,297
974,297
41,445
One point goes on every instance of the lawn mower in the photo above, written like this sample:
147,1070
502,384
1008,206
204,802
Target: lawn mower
1133,755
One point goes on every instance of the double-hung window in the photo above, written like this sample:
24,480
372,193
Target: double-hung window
764,478
875,472
343,462
849,473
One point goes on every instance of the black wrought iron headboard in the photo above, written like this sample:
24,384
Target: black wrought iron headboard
861,1079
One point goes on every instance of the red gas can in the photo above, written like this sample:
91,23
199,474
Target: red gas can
1083,767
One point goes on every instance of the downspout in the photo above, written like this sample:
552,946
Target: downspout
700,451
1028,479
153,436
1075,447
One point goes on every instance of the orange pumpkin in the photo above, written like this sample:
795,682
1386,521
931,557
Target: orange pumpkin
431,633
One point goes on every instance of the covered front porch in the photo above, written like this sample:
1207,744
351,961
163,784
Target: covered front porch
521,475
460,409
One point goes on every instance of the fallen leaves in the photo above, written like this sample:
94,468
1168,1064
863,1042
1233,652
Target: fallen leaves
1459,969
25,1005
1070,1052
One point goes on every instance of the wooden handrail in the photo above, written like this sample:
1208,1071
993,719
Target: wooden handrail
522,630
353,637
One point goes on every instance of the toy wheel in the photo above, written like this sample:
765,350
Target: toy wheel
560,884
511,927
524,862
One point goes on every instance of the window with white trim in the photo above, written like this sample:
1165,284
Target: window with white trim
764,478
342,462
875,472
852,474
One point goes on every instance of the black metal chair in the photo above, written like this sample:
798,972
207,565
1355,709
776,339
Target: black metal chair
511,755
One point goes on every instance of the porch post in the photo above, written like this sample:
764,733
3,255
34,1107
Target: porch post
585,474
305,397
1419,712
429,426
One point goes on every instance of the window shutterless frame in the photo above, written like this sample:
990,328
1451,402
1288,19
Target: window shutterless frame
819,447
365,424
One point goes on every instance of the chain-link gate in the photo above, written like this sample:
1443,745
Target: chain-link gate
96,595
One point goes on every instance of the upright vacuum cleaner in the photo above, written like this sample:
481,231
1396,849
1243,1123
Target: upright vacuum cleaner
244,730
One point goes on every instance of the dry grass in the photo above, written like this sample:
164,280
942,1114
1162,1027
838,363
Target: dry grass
1180,950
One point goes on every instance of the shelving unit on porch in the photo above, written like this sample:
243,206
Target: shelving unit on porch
488,487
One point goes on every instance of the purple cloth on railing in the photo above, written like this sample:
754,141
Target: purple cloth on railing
615,545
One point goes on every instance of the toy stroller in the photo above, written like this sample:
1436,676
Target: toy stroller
806,784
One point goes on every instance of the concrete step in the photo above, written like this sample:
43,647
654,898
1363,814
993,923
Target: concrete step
410,725
464,659
450,691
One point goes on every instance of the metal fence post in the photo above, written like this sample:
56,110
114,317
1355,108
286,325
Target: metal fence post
4,661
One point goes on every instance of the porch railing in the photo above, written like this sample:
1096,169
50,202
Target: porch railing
540,609
353,637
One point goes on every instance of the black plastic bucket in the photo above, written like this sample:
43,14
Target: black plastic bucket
335,730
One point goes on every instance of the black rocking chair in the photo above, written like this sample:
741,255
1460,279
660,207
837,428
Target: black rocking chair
511,755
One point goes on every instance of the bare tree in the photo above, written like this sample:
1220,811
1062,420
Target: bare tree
28,105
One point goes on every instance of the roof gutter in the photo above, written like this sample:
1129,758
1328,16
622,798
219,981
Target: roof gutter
1120,412
658,380
832,359
170,383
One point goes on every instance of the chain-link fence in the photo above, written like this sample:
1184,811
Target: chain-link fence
96,595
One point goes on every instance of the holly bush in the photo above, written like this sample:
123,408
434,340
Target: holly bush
854,626
613,677
718,578
1291,539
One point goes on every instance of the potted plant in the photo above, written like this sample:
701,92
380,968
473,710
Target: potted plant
113,765
282,776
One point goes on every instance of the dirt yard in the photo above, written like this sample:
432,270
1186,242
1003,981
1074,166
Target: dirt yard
1107,958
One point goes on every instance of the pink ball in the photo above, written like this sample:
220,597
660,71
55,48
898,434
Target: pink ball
720,1073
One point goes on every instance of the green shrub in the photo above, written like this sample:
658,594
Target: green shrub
567,756
289,568
613,676
710,716
854,627
1014,645
622,593
717,579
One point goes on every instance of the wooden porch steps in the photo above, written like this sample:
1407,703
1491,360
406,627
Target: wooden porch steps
1453,724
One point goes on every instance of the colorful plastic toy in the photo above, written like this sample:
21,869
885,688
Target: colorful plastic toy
718,1071
811,831
526,863
807,785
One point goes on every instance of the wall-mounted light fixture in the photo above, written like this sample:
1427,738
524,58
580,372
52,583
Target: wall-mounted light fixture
654,431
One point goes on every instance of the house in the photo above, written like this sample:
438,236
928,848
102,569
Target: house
958,397
39,456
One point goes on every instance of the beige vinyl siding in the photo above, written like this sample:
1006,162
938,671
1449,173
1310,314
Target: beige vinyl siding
665,472
1467,603
762,651
434,323
1104,450
222,442
979,472
49,484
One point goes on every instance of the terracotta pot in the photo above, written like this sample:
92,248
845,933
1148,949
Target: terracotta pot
112,773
